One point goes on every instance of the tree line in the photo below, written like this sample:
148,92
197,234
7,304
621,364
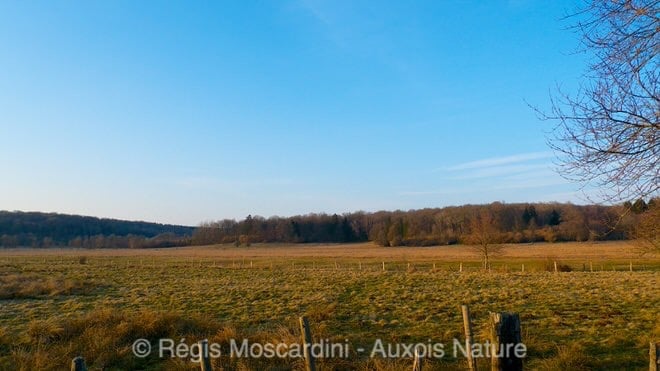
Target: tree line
507,223
35,229
469,224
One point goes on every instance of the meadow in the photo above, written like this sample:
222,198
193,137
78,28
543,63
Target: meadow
56,304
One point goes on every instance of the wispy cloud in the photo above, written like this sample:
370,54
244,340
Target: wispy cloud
426,193
495,176
531,182
315,8
500,171
219,184
362,29
498,161
523,170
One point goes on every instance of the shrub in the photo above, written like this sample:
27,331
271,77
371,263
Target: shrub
550,266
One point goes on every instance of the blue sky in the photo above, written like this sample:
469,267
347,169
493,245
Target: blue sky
181,112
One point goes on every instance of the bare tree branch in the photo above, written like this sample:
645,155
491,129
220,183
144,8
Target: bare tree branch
608,132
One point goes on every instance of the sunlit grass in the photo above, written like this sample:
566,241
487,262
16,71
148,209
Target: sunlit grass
572,320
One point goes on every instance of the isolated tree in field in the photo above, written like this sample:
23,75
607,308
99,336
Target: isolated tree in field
484,236
396,233
607,134
647,230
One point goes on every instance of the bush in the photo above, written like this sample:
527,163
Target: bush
550,266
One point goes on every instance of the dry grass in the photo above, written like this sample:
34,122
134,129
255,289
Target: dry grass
21,286
573,357
574,320
567,251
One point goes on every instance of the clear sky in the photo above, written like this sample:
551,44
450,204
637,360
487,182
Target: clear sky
184,111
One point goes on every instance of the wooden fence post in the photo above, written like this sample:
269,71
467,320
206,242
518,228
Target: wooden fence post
417,364
383,266
654,356
204,360
307,344
505,335
555,266
78,364
467,326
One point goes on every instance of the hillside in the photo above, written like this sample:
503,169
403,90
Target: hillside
36,229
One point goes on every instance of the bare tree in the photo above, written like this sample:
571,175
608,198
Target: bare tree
608,132
646,232
484,236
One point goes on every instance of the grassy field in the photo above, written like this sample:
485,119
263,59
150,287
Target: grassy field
59,303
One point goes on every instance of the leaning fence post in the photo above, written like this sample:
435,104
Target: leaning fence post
307,344
654,356
417,364
467,326
505,336
78,364
204,360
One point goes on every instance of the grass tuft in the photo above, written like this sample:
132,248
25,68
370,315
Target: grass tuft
26,286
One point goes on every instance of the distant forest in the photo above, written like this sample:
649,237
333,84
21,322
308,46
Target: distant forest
498,222
34,229
502,223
